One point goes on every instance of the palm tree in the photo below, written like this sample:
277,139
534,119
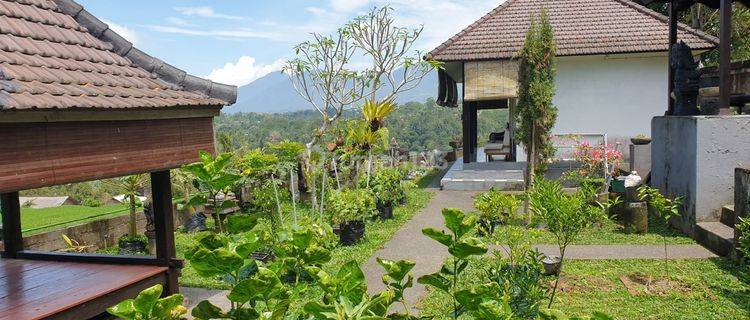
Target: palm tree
130,186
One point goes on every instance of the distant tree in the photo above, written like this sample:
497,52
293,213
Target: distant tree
536,76
130,186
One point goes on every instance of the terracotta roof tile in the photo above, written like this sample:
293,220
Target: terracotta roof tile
582,27
54,54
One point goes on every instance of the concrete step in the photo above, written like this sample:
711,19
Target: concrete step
482,184
716,236
728,215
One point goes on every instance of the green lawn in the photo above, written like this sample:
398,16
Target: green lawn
698,289
377,233
35,221
610,232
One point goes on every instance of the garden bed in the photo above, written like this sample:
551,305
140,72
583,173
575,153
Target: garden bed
697,289
377,234
609,232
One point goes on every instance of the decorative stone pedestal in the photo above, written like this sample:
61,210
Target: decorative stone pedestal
695,157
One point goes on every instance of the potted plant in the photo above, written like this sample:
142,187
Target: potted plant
388,190
349,208
132,242
495,208
640,140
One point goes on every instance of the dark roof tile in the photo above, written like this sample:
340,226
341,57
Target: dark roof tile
581,27
55,54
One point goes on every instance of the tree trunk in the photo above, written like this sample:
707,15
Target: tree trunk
133,227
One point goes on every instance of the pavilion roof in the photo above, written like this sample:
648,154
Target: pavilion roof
582,27
56,55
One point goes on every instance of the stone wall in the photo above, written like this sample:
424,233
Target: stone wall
695,158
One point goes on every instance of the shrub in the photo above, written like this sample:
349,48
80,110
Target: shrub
386,184
495,207
92,203
743,245
351,205
148,306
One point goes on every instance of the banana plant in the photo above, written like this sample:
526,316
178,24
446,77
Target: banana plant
375,112
148,306
213,178
461,245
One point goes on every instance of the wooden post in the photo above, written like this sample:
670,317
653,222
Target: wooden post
12,237
474,132
161,189
725,58
466,130
673,19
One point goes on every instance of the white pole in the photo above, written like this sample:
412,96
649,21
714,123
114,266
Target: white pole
323,192
336,172
276,195
294,196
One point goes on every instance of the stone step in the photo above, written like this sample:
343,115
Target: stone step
716,236
728,215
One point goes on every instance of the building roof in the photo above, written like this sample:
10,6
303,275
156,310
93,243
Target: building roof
582,27
56,55
43,202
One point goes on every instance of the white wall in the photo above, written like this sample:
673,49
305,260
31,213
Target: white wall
617,95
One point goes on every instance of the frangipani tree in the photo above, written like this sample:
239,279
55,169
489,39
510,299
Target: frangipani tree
326,73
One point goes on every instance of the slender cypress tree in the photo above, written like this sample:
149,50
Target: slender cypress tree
536,115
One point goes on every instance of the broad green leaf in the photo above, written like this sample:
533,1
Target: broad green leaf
217,262
352,283
166,307
552,314
453,218
435,280
146,300
466,248
265,283
494,310
124,310
316,255
212,241
206,310
438,236
238,223
396,270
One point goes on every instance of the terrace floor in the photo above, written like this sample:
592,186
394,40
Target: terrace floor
31,289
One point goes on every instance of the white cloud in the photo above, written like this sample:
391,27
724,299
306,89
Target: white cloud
179,22
348,5
220,33
244,71
125,32
316,10
205,12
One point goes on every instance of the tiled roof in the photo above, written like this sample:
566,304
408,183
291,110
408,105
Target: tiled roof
55,54
582,27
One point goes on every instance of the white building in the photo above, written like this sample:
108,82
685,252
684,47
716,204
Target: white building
611,74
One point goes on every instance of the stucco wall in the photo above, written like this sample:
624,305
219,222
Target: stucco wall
617,95
695,157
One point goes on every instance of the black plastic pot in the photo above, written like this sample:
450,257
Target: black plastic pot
487,227
385,211
640,141
263,256
351,232
131,247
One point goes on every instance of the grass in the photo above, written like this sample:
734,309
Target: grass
700,289
376,235
610,232
36,221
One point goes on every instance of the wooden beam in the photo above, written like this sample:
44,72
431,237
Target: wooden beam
12,237
673,19
68,115
474,131
161,189
98,258
725,56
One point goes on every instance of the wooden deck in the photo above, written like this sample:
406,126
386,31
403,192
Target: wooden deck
68,290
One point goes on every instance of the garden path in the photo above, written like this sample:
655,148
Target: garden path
409,243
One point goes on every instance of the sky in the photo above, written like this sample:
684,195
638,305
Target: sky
238,41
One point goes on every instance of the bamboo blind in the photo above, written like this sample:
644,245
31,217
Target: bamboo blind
490,80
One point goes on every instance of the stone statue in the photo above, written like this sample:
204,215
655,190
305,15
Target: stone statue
686,80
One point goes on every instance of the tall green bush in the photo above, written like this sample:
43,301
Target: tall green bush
536,115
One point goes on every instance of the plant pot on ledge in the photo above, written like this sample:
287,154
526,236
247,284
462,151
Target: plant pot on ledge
351,232
132,245
385,211
640,141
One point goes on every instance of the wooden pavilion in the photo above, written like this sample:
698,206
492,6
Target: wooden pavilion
77,103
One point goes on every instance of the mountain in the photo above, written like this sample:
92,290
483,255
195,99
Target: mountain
274,93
